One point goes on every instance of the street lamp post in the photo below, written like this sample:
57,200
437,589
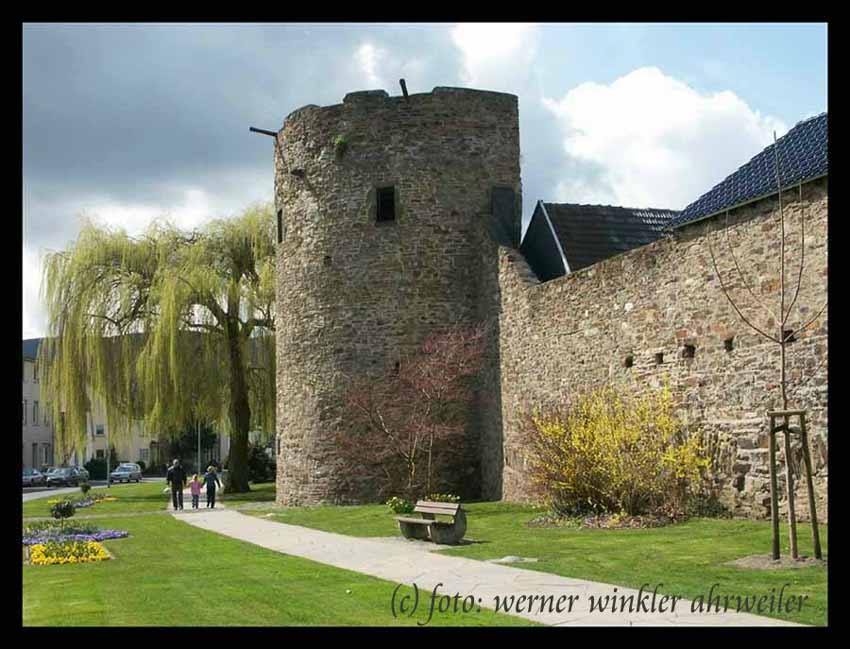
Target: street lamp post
199,446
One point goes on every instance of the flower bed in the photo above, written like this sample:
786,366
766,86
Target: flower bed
85,502
51,553
52,532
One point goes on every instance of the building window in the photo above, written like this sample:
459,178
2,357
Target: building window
45,454
630,361
729,344
25,412
144,455
34,455
98,430
385,200
688,351
280,232
99,454
659,358
35,372
35,413
46,409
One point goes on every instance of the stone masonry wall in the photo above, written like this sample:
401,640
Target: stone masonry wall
564,336
354,294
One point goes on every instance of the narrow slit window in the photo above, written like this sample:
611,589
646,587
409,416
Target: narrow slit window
385,204
659,358
280,226
788,336
629,362
729,344
688,351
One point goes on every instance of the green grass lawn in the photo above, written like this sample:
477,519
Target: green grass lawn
132,498
687,558
168,573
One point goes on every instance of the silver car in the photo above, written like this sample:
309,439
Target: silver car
126,472
33,478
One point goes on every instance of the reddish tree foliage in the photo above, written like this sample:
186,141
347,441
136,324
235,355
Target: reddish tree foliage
411,420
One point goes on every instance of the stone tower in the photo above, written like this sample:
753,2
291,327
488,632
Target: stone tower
390,213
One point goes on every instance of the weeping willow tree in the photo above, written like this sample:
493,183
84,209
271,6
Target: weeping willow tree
166,328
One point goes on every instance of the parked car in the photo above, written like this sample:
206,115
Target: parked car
33,478
126,472
69,476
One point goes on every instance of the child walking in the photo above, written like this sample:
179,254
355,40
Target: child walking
211,480
195,485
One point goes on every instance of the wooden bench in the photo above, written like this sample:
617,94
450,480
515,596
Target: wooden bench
429,528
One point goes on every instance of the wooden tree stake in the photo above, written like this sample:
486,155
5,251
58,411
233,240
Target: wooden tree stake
789,486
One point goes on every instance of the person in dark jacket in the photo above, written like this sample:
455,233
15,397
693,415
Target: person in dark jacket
176,477
211,480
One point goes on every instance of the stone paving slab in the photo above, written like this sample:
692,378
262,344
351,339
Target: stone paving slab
409,563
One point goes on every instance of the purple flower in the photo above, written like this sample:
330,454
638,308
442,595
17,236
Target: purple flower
58,537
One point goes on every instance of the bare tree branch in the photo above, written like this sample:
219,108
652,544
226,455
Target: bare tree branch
728,297
802,256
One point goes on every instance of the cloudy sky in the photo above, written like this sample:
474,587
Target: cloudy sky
132,122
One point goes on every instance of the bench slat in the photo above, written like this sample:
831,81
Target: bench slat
437,508
417,521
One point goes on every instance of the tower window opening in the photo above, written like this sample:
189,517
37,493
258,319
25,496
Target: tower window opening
688,351
788,336
659,358
630,360
729,344
280,226
385,204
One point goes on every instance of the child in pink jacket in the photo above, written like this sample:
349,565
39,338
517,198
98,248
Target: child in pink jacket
195,486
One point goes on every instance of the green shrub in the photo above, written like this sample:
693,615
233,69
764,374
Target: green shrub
443,498
62,509
340,145
85,487
261,467
606,453
399,505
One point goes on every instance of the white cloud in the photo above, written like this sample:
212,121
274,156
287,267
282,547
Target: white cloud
496,56
379,69
33,316
650,140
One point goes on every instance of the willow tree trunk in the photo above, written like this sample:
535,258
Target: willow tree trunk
240,417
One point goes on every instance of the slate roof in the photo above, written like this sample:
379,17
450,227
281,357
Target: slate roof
590,233
30,347
802,157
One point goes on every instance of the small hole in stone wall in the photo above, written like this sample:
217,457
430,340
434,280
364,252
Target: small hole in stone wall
688,351
659,358
729,344
630,360
396,366
327,260
280,226
788,336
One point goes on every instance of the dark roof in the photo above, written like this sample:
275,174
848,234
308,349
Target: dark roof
31,347
590,233
802,157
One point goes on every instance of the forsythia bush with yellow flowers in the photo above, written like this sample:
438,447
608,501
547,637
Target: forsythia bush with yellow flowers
50,553
610,453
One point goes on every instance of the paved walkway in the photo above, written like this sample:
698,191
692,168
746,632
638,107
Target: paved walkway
187,501
406,562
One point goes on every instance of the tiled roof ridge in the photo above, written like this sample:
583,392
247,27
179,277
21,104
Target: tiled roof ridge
618,207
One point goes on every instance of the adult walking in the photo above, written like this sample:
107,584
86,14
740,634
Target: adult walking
176,477
211,480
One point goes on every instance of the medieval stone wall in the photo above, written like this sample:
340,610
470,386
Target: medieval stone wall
353,294
564,336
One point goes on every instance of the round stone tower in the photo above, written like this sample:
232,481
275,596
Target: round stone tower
388,228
